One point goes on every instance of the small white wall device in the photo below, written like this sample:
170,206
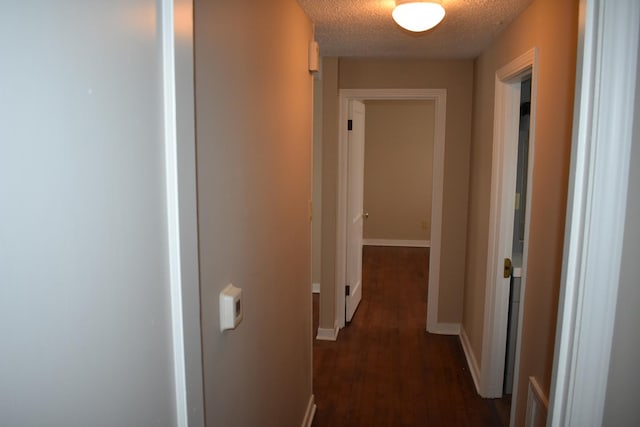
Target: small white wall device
230,307
314,56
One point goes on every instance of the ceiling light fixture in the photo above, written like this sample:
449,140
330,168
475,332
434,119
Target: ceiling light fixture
418,16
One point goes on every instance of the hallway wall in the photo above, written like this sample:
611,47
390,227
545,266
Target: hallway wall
398,162
329,193
317,180
85,304
551,26
254,133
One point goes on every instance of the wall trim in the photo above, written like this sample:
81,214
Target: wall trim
439,96
445,329
397,242
472,363
315,288
173,211
327,334
310,413
602,137
537,405
181,204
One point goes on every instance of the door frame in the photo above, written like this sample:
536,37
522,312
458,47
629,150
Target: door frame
603,121
178,109
503,178
439,96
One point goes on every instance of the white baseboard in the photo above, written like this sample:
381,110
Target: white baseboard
537,405
445,329
315,288
326,334
395,242
471,359
310,413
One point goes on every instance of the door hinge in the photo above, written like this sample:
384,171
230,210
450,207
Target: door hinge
347,290
349,124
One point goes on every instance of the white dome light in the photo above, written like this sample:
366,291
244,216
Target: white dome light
418,16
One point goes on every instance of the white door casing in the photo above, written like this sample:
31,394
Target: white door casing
439,96
181,199
503,181
353,293
596,207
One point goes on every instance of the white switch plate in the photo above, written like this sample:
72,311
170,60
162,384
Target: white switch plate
230,307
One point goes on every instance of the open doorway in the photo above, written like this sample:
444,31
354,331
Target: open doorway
438,97
398,172
510,206
519,235
389,183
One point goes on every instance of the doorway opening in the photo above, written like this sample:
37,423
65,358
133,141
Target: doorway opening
390,156
438,96
519,227
510,206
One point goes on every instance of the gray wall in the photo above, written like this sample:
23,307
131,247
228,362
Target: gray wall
623,386
84,296
254,133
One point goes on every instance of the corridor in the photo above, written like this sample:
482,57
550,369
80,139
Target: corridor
385,370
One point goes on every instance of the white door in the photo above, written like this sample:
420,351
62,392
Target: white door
518,239
507,111
355,193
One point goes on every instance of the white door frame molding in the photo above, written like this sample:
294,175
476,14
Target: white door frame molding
439,96
503,181
181,205
602,137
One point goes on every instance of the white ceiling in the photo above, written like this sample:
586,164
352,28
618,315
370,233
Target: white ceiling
364,28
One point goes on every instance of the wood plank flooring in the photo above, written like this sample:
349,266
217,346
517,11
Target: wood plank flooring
385,369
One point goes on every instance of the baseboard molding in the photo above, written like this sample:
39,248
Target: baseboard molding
326,334
310,413
537,405
315,288
394,242
445,329
472,363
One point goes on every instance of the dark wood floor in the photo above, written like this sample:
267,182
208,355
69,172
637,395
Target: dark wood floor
385,370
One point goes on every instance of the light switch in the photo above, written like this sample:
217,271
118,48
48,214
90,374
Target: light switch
230,307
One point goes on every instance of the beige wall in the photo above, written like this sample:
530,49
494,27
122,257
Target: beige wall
551,26
327,313
317,180
254,131
398,169
456,76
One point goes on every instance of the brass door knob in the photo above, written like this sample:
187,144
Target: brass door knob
507,268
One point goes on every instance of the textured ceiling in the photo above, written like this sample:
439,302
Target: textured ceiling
364,28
